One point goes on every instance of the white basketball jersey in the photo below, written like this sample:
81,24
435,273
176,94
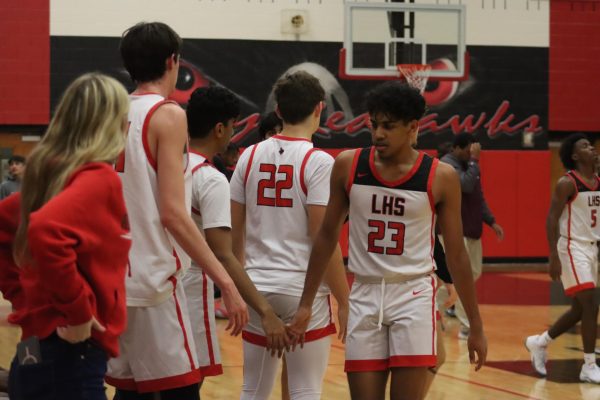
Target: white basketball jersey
210,195
579,218
155,259
277,179
391,223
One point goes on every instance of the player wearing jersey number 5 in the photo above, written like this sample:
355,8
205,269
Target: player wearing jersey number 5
573,233
393,195
279,191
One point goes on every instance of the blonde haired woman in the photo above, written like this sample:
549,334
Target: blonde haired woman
64,242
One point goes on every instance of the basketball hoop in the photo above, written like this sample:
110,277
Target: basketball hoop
416,75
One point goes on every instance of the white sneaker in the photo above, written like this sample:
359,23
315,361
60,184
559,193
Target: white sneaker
538,354
463,333
590,373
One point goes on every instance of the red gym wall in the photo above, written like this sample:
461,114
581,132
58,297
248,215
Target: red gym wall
574,64
24,62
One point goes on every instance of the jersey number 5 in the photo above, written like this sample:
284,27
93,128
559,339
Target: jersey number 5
379,233
594,218
279,185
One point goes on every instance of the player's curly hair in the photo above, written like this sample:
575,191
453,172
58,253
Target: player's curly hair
397,101
566,150
207,107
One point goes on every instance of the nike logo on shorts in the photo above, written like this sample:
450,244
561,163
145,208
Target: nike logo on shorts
416,292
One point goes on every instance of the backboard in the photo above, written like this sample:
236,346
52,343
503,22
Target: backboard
378,36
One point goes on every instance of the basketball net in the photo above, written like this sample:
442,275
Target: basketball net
416,75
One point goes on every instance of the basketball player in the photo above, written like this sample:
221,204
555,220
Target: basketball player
279,191
211,113
157,349
393,195
573,232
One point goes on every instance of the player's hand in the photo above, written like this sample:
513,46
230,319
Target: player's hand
477,344
79,333
236,308
299,325
452,295
276,333
342,315
499,231
554,267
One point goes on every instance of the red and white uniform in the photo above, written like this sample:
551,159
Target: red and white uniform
277,180
158,351
391,243
210,209
579,229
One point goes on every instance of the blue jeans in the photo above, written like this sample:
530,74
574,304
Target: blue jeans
67,372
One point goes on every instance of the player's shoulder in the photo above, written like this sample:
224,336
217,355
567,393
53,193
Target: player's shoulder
319,156
444,169
169,115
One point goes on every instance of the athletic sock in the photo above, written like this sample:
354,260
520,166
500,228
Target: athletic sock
589,359
544,339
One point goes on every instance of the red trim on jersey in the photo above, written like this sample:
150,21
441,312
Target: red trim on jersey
433,316
122,384
211,370
569,246
177,261
413,361
366,365
302,168
145,143
576,189
195,211
402,179
578,288
186,344
310,336
211,352
203,164
352,171
249,165
430,179
289,138
585,183
170,382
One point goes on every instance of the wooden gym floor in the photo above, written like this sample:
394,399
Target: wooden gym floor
513,306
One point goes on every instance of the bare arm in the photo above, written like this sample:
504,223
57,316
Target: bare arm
335,273
563,192
447,194
238,225
326,241
168,138
219,240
